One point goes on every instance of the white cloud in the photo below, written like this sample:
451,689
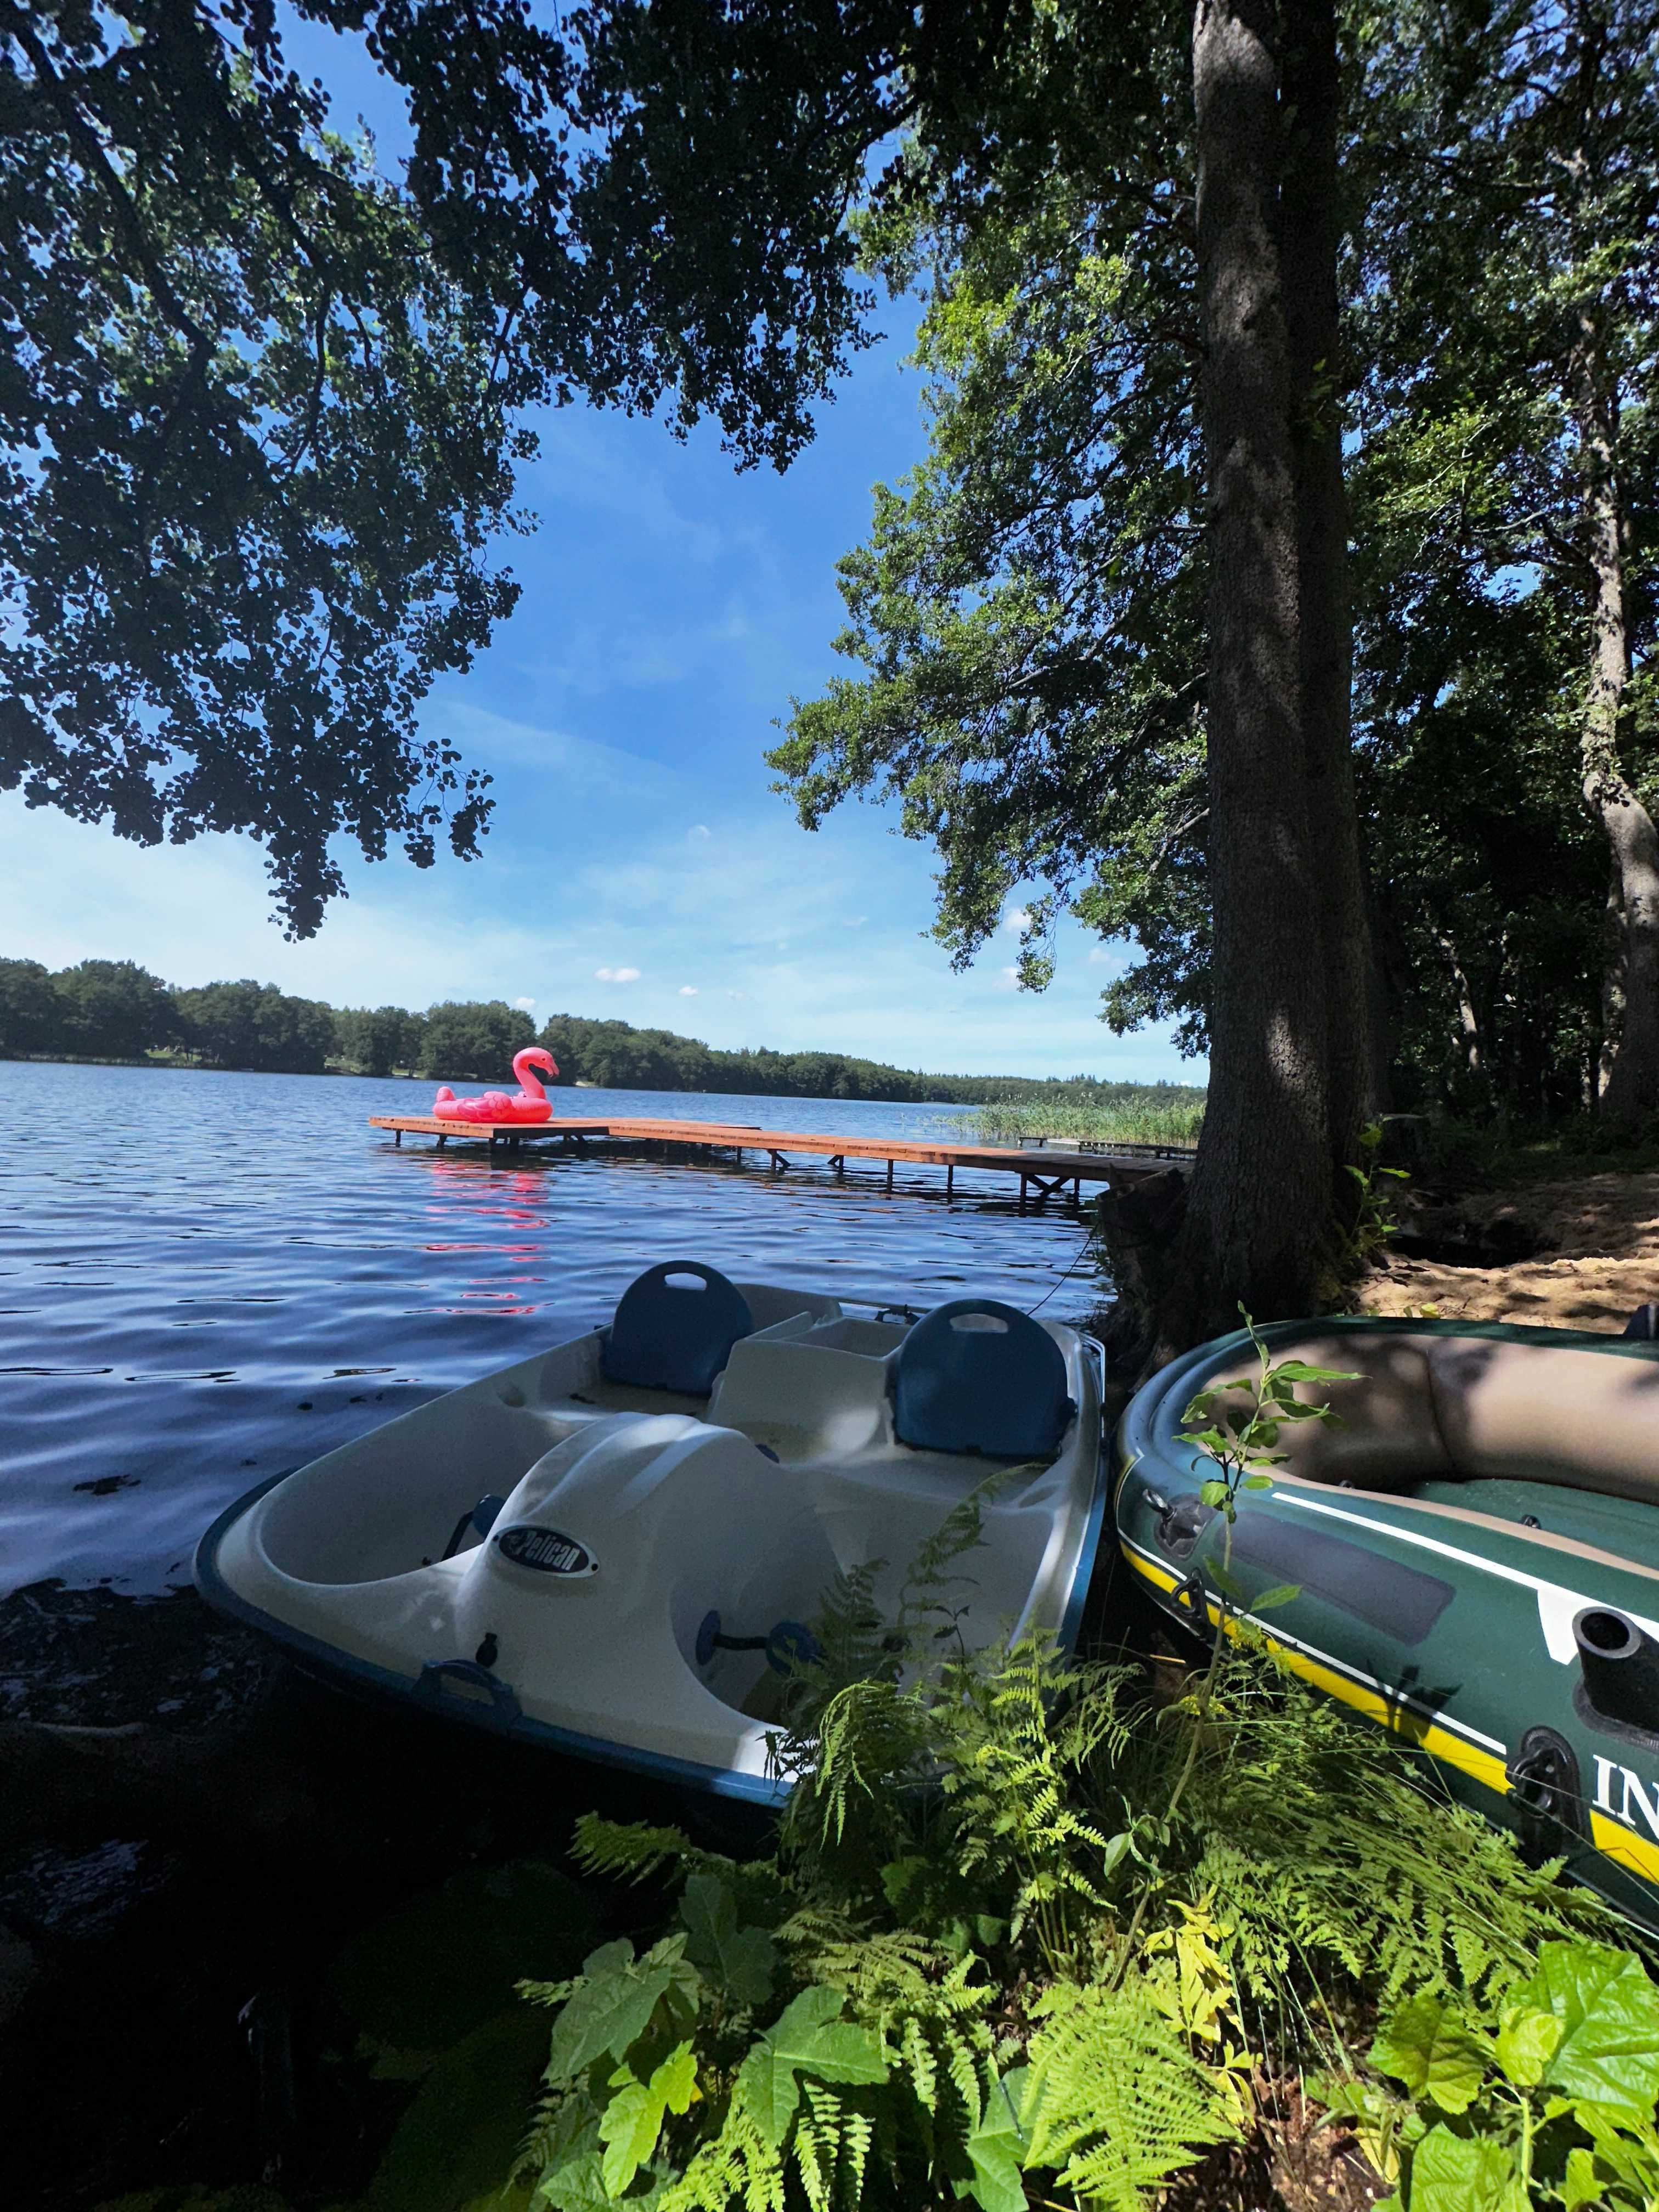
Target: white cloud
1008,979
688,990
853,920
1017,918
616,975
525,1006
700,829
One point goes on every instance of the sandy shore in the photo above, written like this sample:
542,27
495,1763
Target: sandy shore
1597,1258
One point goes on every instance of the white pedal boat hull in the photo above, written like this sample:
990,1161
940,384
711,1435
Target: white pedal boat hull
630,1516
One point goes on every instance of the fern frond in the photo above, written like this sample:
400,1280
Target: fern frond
739,2166
629,1850
1116,2103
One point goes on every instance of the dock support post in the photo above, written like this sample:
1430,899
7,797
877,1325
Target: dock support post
397,1139
889,1178
443,1139
949,1177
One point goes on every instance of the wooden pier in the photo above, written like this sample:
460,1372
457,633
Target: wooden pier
1043,1172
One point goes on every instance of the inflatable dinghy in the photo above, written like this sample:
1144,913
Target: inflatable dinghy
1474,1546
613,1546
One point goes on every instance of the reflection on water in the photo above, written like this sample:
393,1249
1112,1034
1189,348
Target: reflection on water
206,1277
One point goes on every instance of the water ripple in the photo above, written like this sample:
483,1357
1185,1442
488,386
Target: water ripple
148,1200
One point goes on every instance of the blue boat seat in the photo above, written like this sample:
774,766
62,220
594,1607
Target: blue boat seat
976,1376
674,1329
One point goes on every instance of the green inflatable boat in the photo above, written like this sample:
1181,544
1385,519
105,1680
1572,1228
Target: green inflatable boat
1474,1545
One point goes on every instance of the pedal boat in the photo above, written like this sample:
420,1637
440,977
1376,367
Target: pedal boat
1474,1548
612,1547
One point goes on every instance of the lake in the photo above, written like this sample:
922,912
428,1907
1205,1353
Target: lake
205,1278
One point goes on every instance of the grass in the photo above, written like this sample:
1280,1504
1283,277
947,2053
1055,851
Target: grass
1155,1117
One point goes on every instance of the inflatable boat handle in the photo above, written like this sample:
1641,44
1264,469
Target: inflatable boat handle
429,1689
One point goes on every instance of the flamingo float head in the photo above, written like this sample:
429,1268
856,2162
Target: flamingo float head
535,1055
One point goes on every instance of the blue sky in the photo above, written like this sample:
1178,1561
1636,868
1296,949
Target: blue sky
638,865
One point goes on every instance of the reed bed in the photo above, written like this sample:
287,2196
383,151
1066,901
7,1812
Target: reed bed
1155,1121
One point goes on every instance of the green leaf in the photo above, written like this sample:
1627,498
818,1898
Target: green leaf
491,1927
632,2121
1465,2173
1281,1594
1257,1482
459,2138
809,2039
1581,2186
995,2147
742,1959
610,2010
1298,1370
1526,2042
1425,2044
1213,1494
1609,2015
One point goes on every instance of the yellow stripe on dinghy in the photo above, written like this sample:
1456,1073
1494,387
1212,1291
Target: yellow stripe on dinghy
1387,1710
1634,1853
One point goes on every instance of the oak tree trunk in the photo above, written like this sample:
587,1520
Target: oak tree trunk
1260,1194
1632,1093
1309,226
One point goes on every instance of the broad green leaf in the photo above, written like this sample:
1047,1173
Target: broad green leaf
1116,1847
632,2121
1464,2174
1257,1482
1581,2186
744,1959
1298,1370
610,2010
1526,2042
459,2138
1424,2044
1626,2142
489,1927
1609,2015
1213,1494
996,2148
809,2039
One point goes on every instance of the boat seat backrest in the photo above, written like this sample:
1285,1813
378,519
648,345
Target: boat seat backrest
1385,1434
976,1376
674,1329
1450,1409
1549,1413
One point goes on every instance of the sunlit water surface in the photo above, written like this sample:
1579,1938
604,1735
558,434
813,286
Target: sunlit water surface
206,1277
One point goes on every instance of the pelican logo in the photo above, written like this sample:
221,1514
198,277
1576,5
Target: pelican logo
549,1551
1630,1790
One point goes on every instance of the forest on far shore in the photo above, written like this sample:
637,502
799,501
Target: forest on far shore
114,1010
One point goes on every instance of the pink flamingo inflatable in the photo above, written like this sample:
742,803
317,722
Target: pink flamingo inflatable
529,1104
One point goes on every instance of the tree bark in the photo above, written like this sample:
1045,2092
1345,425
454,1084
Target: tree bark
1631,1092
1259,1204
1310,229
1612,985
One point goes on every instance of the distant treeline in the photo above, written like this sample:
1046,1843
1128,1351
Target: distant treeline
115,1010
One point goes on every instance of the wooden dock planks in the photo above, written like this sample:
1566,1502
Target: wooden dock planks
1045,1171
